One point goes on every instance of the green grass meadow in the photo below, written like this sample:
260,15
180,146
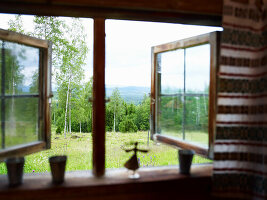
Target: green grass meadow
78,148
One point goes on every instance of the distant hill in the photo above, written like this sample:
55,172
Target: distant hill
130,94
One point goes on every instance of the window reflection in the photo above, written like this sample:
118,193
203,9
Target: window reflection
183,93
21,69
19,93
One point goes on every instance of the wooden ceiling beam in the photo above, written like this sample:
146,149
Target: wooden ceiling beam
205,12
211,7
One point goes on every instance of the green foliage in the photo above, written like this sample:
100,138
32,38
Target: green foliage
16,24
142,114
127,125
58,130
69,53
196,114
128,117
116,106
52,29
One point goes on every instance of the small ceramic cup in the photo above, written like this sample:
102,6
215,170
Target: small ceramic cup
185,160
15,170
57,166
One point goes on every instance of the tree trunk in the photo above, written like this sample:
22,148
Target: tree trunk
70,112
13,86
66,109
114,122
198,111
205,106
80,127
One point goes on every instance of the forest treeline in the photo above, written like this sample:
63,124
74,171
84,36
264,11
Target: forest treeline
120,115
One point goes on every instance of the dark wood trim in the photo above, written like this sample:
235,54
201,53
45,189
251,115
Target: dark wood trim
19,96
153,94
211,7
41,98
214,67
182,144
22,39
155,183
47,95
184,12
99,98
184,43
3,106
21,150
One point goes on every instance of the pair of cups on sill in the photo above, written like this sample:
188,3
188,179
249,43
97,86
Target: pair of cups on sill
15,169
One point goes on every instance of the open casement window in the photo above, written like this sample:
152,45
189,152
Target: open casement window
25,91
183,93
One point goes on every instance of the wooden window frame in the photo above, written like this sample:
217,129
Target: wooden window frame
209,38
45,49
186,12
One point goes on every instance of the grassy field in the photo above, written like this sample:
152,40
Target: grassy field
78,148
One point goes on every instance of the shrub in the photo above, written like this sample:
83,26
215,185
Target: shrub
127,125
58,130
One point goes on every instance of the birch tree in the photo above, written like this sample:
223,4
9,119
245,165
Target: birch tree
116,105
69,51
71,71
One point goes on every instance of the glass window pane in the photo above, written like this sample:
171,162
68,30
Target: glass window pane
197,69
172,71
196,125
171,116
0,124
21,68
1,44
21,121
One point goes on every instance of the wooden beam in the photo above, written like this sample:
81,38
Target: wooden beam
153,94
22,150
182,144
47,65
215,39
155,183
23,39
188,42
211,7
129,10
99,98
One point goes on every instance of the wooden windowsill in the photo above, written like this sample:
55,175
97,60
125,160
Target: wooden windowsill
78,185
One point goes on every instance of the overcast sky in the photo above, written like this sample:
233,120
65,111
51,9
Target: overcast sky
128,46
